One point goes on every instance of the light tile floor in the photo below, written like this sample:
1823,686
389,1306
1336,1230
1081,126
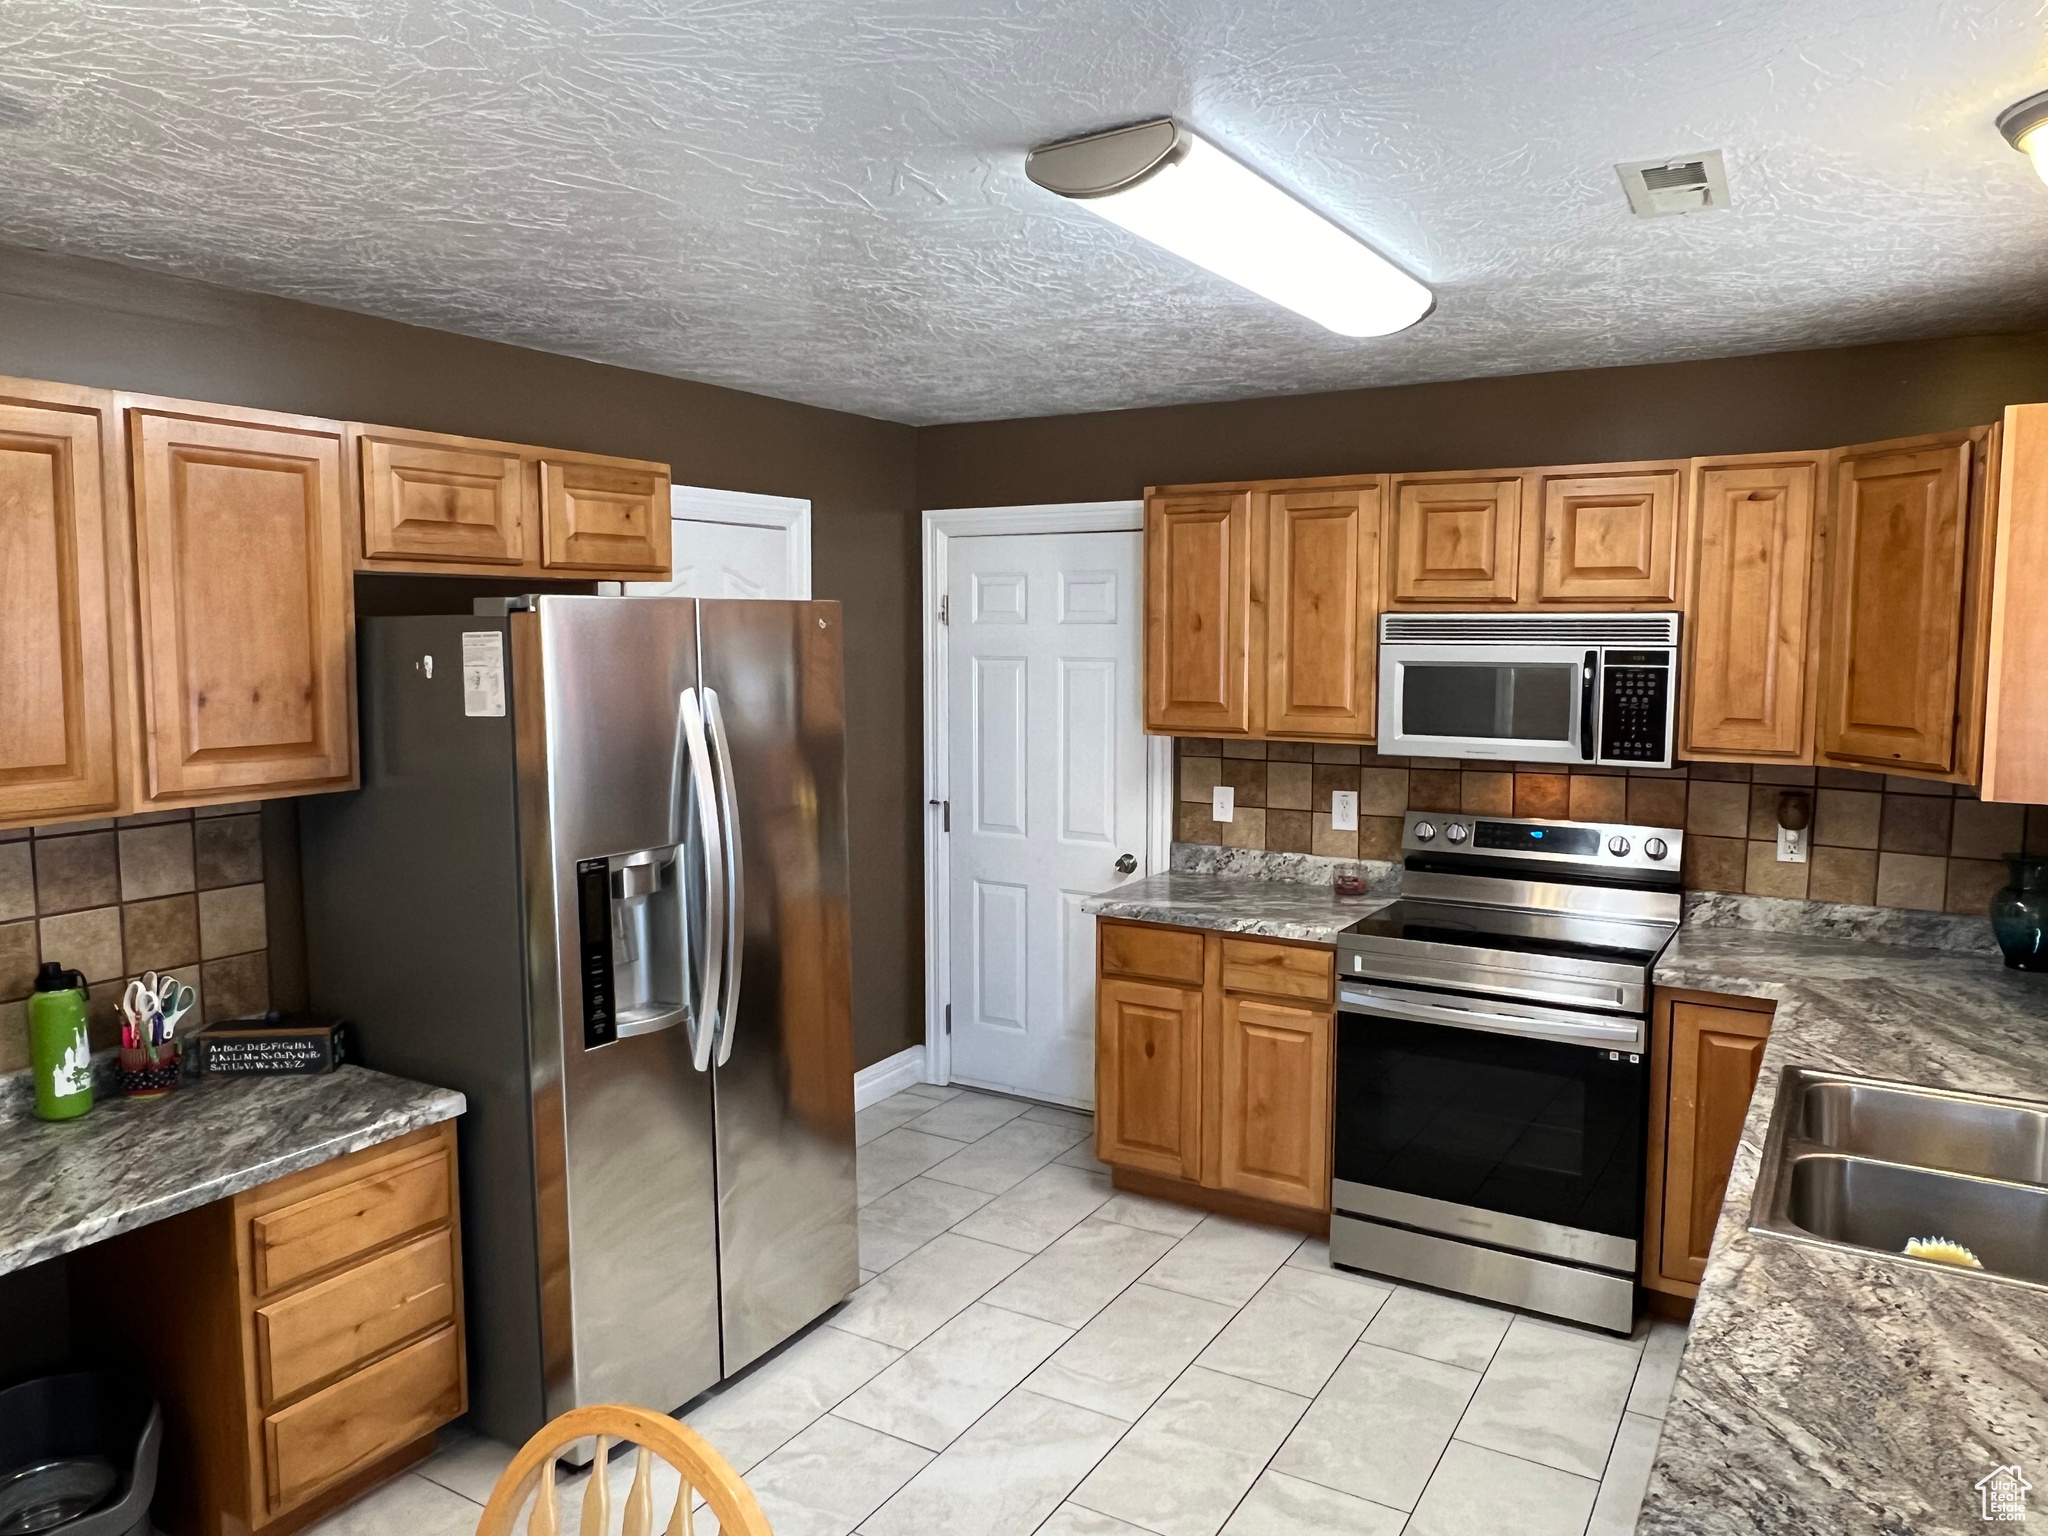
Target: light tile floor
1031,1351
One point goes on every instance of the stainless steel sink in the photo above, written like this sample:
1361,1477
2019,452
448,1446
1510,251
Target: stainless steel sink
1929,1128
1861,1165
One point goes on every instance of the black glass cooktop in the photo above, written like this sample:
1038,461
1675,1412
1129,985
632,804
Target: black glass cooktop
1512,929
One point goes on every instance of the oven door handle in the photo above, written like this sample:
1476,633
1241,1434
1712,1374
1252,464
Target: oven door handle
1572,1032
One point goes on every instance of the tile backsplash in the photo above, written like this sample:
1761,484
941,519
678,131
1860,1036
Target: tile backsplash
1876,840
176,891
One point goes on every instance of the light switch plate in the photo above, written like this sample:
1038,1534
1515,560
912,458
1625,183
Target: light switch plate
1223,803
1791,846
1343,810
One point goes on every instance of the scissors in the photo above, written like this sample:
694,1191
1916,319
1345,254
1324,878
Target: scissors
156,1002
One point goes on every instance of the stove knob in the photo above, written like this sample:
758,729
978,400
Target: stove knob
1618,846
1457,832
1424,831
1656,848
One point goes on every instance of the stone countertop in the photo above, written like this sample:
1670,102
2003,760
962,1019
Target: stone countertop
133,1161
1275,909
1824,1392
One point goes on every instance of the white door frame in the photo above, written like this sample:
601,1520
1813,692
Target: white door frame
940,528
790,515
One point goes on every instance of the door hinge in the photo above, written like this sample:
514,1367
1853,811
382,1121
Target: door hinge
949,1018
945,610
945,814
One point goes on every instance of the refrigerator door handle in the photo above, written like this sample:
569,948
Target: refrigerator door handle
693,758
735,893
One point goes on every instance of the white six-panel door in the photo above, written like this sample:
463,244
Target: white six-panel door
1047,774
734,544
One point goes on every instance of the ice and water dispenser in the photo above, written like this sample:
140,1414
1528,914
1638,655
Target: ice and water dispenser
630,914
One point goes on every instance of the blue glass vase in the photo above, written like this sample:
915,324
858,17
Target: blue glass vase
2019,913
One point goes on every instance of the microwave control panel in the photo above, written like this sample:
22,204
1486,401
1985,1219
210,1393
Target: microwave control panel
1635,707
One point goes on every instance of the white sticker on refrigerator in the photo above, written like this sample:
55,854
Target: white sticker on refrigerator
483,672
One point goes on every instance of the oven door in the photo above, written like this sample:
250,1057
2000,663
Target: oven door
1533,703
1511,1125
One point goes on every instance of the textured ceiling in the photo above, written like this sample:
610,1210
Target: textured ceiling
826,202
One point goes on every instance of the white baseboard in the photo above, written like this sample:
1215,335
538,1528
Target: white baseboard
888,1076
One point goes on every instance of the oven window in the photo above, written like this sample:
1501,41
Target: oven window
1530,701
1523,1127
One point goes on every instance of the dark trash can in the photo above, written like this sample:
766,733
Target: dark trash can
78,1456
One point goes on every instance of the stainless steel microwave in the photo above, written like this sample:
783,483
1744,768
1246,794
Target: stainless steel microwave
1532,687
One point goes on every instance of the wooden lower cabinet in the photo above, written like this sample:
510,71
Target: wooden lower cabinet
1213,1067
305,1337
1705,1052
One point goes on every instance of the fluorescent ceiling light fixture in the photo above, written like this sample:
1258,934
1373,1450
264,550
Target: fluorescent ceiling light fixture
2025,126
1178,190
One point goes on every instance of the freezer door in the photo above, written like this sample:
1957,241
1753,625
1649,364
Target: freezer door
788,1239
622,1115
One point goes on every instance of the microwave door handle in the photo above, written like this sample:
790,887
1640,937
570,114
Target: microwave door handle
1592,1032
1588,671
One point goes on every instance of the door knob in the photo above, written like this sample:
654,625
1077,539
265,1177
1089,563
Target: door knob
1128,863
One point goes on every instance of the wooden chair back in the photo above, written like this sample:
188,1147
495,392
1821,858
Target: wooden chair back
702,1469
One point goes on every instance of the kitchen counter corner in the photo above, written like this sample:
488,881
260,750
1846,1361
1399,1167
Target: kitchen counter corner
130,1162
1274,909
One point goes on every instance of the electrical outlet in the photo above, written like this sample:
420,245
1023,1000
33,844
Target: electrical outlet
1343,810
1223,803
1791,846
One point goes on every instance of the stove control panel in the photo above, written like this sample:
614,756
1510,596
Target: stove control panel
1589,845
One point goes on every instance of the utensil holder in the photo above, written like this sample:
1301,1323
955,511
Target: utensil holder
140,1078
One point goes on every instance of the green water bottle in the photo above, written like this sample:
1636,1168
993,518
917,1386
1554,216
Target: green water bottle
57,1044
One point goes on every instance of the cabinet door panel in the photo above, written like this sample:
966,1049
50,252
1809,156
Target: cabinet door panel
605,517
1322,617
1198,614
57,755
1610,537
1148,1067
447,501
1748,617
1456,540
246,605
1275,1102
1897,545
1714,1054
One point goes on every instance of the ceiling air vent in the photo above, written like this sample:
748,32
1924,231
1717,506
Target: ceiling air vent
1682,184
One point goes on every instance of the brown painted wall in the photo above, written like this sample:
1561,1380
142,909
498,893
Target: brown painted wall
99,324
1670,410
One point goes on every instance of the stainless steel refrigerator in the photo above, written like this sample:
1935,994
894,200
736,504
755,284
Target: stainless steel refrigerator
596,880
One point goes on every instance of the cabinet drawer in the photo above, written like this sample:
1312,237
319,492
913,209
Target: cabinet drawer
316,1443
337,1324
1169,954
1278,970
610,517
332,1228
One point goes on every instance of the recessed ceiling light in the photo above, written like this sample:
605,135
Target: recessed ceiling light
2025,126
1173,187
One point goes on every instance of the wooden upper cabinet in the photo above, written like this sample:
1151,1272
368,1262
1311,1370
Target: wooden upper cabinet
1199,631
57,631
1274,1121
441,500
1148,1076
1456,539
2015,723
1898,545
1609,534
604,515
1322,613
1714,1054
1748,615
242,571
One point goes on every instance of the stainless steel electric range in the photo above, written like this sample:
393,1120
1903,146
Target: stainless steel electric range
1493,1062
